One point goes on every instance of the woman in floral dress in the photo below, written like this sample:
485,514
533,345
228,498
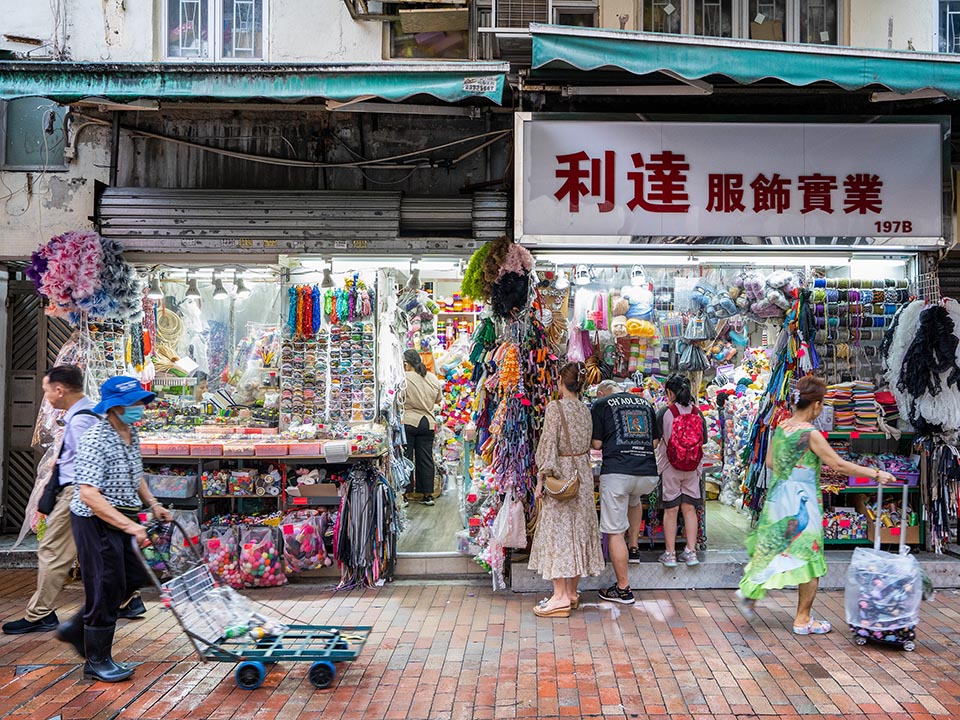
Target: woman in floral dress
566,544
786,548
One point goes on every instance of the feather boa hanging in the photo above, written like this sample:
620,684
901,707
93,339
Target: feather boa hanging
901,337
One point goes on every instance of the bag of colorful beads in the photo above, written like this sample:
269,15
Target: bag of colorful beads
221,554
303,542
260,560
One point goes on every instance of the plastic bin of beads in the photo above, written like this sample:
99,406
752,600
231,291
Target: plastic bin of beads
171,448
172,486
270,449
237,450
148,448
305,448
206,449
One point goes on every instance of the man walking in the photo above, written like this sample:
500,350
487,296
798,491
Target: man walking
624,428
63,389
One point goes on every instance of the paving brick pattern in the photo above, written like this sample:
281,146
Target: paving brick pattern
458,650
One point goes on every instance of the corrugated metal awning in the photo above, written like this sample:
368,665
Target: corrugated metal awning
163,219
127,82
655,56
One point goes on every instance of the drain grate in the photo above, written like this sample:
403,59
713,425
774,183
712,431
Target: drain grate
24,669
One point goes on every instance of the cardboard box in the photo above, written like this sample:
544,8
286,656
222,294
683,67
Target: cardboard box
318,490
891,536
767,30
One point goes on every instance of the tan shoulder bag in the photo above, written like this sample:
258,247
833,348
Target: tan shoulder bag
562,488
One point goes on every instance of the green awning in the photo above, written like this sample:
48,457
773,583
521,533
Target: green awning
127,82
743,61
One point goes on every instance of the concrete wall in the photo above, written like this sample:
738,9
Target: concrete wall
125,31
36,206
914,24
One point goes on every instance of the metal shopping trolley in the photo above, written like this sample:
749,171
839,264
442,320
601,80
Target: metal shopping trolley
225,626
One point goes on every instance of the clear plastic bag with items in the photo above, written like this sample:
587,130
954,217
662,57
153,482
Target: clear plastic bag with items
883,590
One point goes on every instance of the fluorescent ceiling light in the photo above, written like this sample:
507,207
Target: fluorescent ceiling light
775,259
622,259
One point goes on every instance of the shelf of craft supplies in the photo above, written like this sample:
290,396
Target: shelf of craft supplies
243,497
856,435
305,500
255,458
465,313
872,489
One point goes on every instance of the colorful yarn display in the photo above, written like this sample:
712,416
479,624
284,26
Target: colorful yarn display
82,272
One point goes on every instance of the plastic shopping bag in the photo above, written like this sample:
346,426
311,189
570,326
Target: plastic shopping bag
510,525
221,554
303,542
260,560
883,590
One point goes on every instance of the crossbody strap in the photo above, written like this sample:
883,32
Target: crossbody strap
566,432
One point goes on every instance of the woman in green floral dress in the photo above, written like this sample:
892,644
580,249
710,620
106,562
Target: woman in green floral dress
786,548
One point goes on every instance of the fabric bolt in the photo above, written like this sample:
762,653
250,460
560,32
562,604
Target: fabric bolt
419,450
786,547
675,482
107,463
567,539
56,552
111,569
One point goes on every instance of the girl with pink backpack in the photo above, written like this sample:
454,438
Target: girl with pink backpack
683,432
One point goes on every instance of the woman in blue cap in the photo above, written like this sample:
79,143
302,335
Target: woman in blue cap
110,491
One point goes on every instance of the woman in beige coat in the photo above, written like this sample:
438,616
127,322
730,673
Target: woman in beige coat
423,394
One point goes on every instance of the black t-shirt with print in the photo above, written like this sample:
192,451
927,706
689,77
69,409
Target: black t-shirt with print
626,424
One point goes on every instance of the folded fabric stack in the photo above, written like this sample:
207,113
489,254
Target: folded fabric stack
840,397
865,406
888,407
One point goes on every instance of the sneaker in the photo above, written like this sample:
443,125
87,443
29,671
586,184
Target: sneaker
634,555
668,559
428,501
689,557
133,609
24,626
616,594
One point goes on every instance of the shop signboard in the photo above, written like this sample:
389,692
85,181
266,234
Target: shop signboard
604,178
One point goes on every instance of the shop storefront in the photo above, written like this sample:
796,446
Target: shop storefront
741,254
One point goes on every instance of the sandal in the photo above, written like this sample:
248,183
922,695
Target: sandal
575,603
560,612
814,627
746,605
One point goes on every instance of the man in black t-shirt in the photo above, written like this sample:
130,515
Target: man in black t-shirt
624,428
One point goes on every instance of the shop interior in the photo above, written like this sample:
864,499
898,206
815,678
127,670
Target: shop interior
255,350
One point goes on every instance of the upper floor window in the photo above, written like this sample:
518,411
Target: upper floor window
31,135
216,29
949,27
806,21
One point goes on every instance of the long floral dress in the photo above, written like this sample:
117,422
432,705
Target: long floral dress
567,540
786,548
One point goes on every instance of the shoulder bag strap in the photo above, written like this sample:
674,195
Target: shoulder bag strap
563,424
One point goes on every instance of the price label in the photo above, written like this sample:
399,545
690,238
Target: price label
214,543
894,531
854,435
299,501
844,523
862,481
288,529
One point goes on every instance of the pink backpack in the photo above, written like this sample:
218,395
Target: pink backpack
685,448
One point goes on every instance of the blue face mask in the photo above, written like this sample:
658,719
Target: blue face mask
132,414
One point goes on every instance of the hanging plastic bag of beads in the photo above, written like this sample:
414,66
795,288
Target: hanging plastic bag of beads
302,542
221,554
184,544
260,559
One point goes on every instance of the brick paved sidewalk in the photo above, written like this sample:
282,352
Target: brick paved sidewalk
460,651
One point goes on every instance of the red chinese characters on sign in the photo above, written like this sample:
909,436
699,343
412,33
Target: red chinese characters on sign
726,193
862,193
601,172
771,193
660,184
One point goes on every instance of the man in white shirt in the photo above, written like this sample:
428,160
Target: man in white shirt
63,389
